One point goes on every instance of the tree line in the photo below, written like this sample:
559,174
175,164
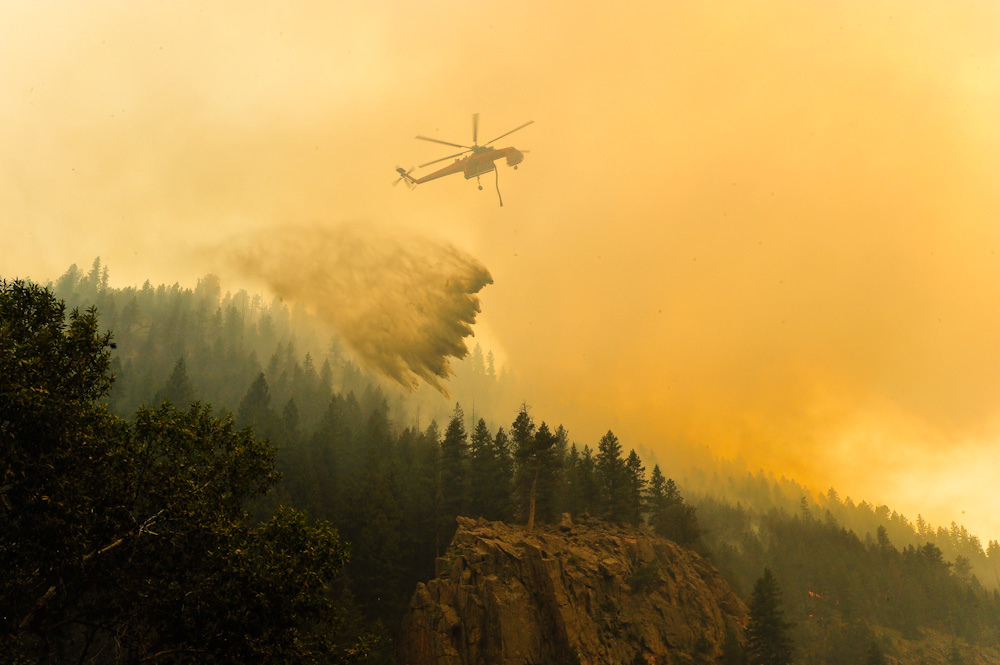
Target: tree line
129,540
387,474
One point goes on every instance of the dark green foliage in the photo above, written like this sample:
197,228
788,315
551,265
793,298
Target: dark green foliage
125,542
537,464
178,389
669,515
581,486
490,474
356,455
615,491
522,435
255,409
635,473
768,642
546,462
454,465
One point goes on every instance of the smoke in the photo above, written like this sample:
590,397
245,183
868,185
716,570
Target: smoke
403,303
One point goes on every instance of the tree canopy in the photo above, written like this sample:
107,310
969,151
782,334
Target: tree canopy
767,631
129,541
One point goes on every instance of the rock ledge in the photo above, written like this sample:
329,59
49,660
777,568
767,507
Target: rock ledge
590,593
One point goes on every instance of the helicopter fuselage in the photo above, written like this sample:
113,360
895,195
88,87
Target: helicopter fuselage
476,164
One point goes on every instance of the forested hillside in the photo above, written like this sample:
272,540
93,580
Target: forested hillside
391,470
203,343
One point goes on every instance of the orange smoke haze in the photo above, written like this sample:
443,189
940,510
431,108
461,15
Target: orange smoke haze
768,230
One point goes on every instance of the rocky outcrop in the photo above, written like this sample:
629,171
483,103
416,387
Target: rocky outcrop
590,593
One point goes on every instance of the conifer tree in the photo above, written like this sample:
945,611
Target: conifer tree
613,478
547,462
768,642
503,481
587,482
522,434
255,408
290,420
656,491
178,388
636,475
487,494
537,467
669,516
454,463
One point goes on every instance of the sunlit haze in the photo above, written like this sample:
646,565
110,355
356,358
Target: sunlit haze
755,230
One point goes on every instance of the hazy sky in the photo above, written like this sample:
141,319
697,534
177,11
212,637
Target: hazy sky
770,229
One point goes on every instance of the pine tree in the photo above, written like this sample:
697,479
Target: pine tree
536,467
768,642
178,389
655,492
669,516
613,478
454,462
522,434
503,480
255,408
547,462
483,470
636,474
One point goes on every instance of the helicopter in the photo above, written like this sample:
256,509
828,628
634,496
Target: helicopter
481,160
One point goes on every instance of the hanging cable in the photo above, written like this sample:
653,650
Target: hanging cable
496,170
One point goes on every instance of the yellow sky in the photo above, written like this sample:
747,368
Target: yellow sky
766,228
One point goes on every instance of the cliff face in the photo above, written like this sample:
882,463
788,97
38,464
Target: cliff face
590,593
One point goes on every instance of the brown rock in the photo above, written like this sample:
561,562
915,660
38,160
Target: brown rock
598,594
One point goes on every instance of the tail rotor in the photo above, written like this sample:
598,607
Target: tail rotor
404,176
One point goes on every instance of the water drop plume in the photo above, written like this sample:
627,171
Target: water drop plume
403,303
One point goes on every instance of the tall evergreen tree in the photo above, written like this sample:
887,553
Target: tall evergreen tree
669,516
290,420
655,492
522,434
636,475
454,464
178,389
503,503
483,470
768,642
547,462
536,468
614,481
255,408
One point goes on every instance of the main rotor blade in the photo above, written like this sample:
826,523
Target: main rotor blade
509,133
456,145
444,158
475,128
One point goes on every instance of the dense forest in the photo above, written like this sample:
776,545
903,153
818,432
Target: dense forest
388,472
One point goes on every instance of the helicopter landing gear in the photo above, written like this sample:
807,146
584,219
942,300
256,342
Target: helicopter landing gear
479,183
515,167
